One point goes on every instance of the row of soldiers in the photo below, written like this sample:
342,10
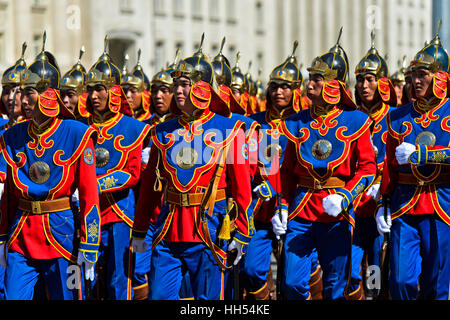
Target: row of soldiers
183,186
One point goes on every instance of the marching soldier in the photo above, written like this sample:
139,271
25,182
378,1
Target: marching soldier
118,166
10,104
160,99
415,180
398,80
281,103
73,89
43,161
196,160
328,161
136,87
375,95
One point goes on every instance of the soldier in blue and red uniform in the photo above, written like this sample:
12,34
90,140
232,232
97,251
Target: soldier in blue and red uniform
329,160
159,111
118,154
223,75
42,162
136,87
415,183
281,103
10,104
376,96
73,89
197,160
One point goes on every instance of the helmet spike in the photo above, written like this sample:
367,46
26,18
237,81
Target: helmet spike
222,44
139,56
339,36
201,42
295,48
24,48
82,51
177,56
105,46
44,40
372,38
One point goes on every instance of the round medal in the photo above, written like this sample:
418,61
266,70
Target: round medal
426,138
39,172
321,149
101,157
186,158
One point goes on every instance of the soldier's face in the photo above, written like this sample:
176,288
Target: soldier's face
134,97
181,89
422,81
70,99
7,99
366,86
29,100
280,94
314,87
161,97
236,93
98,95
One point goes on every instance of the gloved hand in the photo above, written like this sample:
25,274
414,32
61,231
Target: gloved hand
403,151
374,191
239,247
279,222
3,255
332,204
264,191
383,224
139,245
89,267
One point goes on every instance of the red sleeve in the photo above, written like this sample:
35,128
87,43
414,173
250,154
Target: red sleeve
150,201
238,174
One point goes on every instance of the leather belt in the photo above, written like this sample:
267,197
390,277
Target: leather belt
186,199
311,183
409,178
40,207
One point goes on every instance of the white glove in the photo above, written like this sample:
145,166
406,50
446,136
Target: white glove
139,245
279,223
145,155
75,196
89,267
238,246
3,257
332,204
256,190
383,225
374,191
403,151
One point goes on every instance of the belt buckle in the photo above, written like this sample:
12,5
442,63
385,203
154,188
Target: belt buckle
185,199
36,207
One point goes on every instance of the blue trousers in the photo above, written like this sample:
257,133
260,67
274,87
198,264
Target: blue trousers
419,246
170,259
62,279
333,244
116,258
366,240
142,262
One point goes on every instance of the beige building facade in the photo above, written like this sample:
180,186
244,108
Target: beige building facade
262,30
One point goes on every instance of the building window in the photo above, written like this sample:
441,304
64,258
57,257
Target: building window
214,10
197,9
178,8
259,18
159,55
37,44
159,7
126,6
231,11
2,46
